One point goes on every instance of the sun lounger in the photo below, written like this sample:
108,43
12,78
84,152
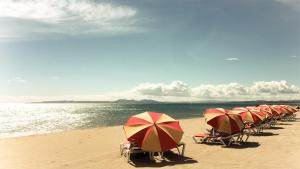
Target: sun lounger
251,128
127,149
208,138
288,117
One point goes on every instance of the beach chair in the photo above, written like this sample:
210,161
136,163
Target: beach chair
128,149
288,117
225,140
242,136
249,129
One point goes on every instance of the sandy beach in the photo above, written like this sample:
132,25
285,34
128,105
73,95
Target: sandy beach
98,148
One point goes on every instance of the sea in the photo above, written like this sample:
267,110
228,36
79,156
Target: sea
23,119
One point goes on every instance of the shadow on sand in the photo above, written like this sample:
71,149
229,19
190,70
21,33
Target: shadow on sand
274,128
265,134
294,120
170,158
283,123
244,145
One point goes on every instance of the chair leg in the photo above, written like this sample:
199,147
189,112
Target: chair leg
240,138
178,150
248,135
128,156
222,141
121,149
151,155
183,149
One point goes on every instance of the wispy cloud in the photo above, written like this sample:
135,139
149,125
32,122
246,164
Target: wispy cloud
295,4
16,80
55,77
64,16
293,56
232,59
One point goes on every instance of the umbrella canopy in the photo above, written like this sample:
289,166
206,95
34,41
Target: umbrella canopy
223,121
154,132
267,109
288,109
248,116
257,110
293,109
275,112
278,109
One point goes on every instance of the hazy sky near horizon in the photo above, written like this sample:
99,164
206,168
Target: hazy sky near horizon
165,50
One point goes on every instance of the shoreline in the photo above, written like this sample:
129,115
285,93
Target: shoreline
38,124
98,148
81,129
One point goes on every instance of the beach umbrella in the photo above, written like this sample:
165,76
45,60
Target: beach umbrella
258,111
293,109
279,110
275,112
267,109
248,116
288,109
153,132
223,121
270,110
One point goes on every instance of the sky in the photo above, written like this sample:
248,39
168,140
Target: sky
171,50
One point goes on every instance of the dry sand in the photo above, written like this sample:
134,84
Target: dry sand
99,149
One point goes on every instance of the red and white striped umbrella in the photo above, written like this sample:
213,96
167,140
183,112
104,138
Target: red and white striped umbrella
275,112
278,109
153,132
266,109
288,109
294,109
257,110
248,116
223,121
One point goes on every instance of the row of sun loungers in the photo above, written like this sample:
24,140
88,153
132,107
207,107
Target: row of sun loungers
213,136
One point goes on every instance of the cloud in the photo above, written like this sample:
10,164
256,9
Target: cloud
180,91
231,91
274,88
295,4
55,77
293,56
58,11
219,91
17,80
176,88
232,59
64,16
